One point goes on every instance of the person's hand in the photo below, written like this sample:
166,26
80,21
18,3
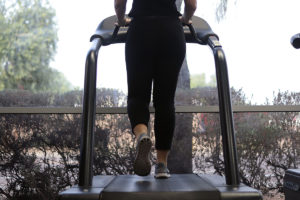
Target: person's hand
124,22
184,20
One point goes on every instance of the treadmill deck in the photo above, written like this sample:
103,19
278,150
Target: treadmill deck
179,186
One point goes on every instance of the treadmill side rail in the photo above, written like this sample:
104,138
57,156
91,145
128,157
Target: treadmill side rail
226,114
88,116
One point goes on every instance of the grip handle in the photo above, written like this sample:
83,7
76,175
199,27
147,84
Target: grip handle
193,33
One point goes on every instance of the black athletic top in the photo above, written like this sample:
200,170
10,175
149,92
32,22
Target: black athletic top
153,8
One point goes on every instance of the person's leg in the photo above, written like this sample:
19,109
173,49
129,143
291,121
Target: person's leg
171,54
139,79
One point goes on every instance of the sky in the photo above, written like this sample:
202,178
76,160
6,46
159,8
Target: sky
255,36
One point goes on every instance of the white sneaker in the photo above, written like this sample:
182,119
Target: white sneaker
161,171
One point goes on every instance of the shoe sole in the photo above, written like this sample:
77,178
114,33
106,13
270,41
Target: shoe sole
142,164
162,176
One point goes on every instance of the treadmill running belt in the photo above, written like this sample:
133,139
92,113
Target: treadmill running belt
183,186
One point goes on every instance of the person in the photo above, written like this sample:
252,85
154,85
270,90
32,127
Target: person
154,51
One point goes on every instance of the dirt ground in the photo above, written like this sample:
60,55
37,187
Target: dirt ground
274,197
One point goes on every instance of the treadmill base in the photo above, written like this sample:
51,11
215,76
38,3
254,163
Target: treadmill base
179,186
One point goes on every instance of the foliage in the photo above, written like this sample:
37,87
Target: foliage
286,129
29,160
267,143
39,153
221,9
28,40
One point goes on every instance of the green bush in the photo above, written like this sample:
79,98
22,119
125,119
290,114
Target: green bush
39,153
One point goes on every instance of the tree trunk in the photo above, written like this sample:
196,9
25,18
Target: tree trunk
180,158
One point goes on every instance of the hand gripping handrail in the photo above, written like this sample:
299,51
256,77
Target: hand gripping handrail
199,32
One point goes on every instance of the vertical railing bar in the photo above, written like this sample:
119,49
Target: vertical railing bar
226,114
88,116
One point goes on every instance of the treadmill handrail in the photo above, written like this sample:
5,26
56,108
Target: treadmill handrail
201,33
198,32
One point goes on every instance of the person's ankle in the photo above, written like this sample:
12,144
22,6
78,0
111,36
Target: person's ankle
139,130
137,135
162,156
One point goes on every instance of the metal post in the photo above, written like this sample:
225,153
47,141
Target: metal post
226,116
88,116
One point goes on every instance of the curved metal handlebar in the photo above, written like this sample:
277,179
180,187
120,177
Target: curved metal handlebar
198,32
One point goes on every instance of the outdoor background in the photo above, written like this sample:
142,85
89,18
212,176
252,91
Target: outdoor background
43,45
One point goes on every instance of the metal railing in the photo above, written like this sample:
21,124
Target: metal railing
123,110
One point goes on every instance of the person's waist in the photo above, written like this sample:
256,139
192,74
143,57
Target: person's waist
155,17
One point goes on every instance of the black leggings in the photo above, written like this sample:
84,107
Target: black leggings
155,50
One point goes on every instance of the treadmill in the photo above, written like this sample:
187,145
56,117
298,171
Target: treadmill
179,186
